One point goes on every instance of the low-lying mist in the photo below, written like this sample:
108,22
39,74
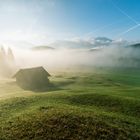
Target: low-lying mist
111,56
70,58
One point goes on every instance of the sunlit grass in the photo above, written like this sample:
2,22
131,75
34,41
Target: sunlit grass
93,104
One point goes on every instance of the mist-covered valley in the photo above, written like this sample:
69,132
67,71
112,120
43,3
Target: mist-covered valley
67,57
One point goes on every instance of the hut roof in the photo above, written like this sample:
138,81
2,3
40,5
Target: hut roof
32,72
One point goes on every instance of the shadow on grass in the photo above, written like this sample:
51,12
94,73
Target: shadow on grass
43,87
94,99
109,103
40,88
36,88
51,86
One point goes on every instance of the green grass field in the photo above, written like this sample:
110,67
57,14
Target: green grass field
87,104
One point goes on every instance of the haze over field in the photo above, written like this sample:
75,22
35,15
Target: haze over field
110,56
98,52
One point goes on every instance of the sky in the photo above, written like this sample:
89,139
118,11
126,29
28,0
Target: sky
44,21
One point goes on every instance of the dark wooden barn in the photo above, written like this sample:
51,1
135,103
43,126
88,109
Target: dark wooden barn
32,78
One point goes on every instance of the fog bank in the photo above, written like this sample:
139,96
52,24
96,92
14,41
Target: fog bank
57,58
69,58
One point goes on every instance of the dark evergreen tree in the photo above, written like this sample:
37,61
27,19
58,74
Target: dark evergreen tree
10,55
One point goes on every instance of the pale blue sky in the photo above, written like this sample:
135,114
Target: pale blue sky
48,20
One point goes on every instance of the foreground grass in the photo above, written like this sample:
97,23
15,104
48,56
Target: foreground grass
63,125
101,104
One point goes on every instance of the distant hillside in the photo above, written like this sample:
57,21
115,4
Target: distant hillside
137,45
83,43
42,48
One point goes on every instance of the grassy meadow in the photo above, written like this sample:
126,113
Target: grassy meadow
81,104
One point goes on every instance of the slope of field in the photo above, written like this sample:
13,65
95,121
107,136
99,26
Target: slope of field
93,104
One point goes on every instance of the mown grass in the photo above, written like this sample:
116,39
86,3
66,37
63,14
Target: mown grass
94,104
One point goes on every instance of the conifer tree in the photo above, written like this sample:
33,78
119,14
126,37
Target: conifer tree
10,55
